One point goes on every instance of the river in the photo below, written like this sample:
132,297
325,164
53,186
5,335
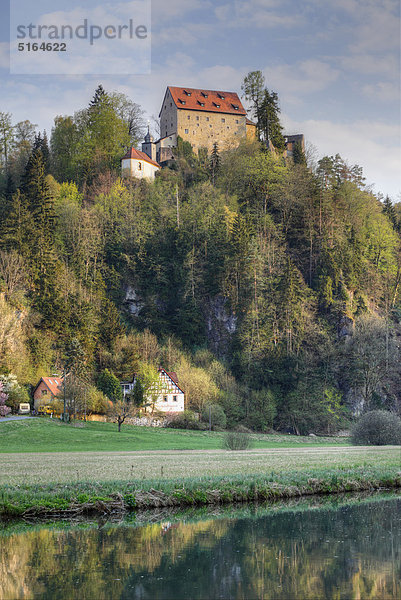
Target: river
334,548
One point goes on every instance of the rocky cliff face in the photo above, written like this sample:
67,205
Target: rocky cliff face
221,325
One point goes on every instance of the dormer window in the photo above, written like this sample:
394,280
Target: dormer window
201,103
221,96
204,94
216,105
235,106
187,93
182,101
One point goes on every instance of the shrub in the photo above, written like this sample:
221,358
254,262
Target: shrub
185,420
235,440
218,416
377,428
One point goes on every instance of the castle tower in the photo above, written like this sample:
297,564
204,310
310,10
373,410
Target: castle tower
149,146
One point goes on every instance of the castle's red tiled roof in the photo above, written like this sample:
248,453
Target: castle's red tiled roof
207,100
138,155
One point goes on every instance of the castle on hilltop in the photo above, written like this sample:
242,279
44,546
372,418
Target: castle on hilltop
200,117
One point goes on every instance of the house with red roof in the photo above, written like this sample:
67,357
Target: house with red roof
138,164
170,397
47,390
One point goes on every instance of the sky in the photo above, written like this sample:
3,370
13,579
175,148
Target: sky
335,65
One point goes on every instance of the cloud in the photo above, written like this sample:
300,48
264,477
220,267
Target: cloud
261,14
371,64
187,35
384,91
302,78
168,10
4,55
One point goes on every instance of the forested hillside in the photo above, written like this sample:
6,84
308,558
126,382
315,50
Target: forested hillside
270,286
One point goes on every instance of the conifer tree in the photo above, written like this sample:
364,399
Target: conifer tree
99,96
389,210
269,122
214,163
298,154
38,201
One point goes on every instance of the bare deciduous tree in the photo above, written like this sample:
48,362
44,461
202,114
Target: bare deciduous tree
12,272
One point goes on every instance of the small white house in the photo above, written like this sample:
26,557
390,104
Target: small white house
171,398
138,164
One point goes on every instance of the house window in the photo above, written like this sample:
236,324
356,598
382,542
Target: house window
174,398
187,131
44,392
139,166
165,398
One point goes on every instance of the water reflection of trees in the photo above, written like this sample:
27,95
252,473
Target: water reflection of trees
352,552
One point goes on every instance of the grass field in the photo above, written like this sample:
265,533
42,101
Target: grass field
46,435
45,468
48,467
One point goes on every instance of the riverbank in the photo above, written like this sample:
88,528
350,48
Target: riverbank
112,497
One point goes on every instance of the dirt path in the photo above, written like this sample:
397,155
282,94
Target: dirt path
16,418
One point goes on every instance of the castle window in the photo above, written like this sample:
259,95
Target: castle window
223,120
236,120
189,117
139,166
207,118
187,131
197,118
